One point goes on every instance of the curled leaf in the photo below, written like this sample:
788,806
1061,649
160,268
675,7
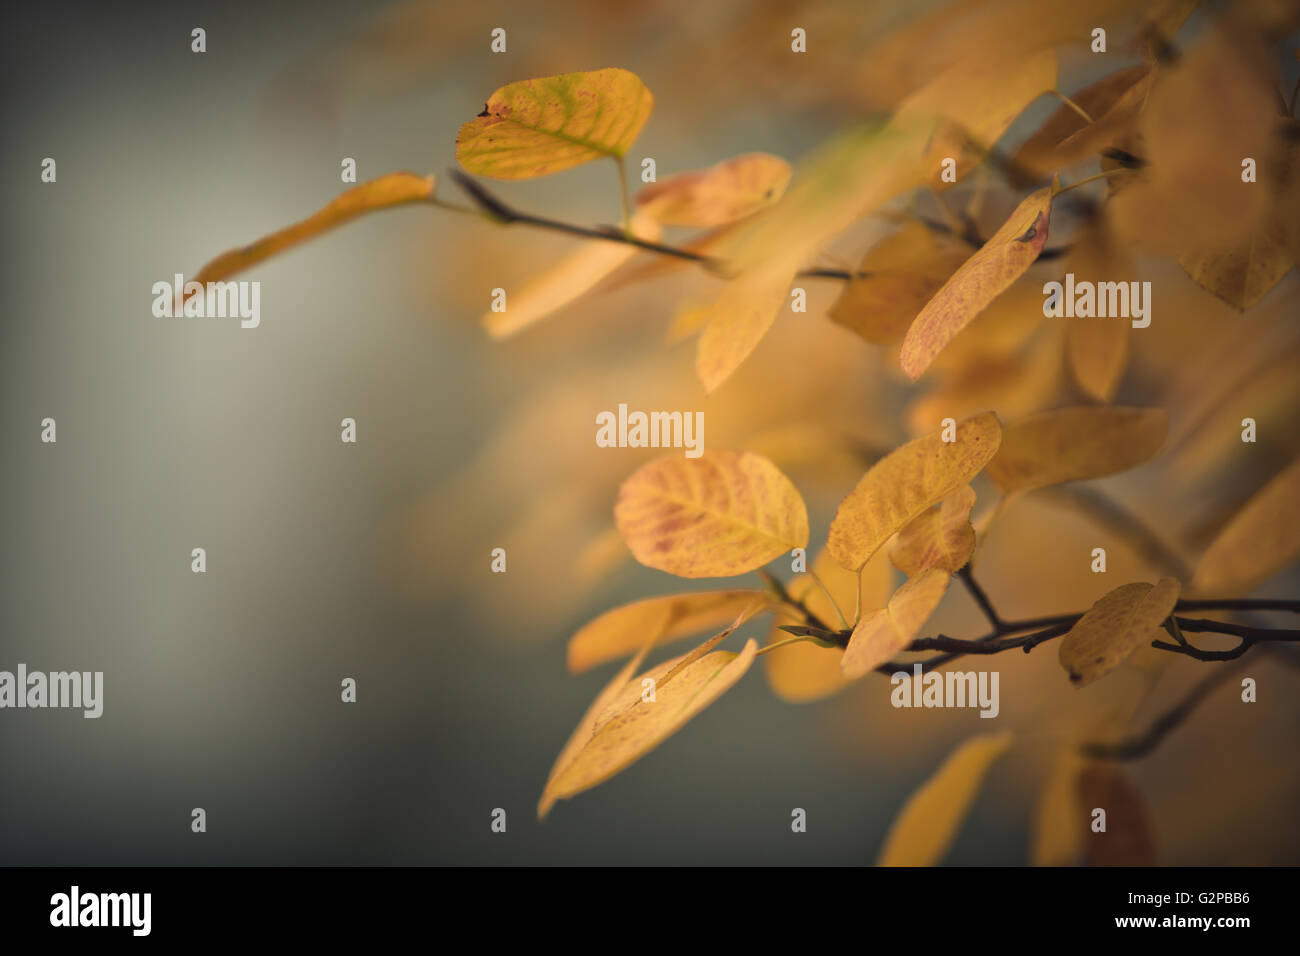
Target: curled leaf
1076,444
1116,626
721,194
721,514
999,262
1261,538
906,482
542,126
395,189
924,829
882,634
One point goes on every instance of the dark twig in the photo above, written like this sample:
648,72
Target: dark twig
1133,748
500,211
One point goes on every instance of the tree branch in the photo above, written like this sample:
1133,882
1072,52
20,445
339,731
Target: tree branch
499,211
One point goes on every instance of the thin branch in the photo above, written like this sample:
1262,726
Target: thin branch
501,212
980,597
1133,748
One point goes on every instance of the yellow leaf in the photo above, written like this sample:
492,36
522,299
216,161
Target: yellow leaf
1065,138
1261,539
631,725
904,271
587,725
1098,348
924,830
721,514
938,538
882,634
975,104
1076,444
395,189
721,194
568,279
1116,626
624,629
738,320
846,178
804,672
542,126
1060,822
905,483
1003,259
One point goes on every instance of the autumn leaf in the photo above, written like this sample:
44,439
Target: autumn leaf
938,538
630,725
971,106
903,271
1116,626
846,178
1098,348
567,280
1129,837
395,189
542,126
738,320
623,630
722,514
1060,821
804,672
926,826
1076,444
906,482
1245,273
1001,260
1204,113
587,725
882,634
721,194
1261,538
1065,138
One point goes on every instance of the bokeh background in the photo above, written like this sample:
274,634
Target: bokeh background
371,561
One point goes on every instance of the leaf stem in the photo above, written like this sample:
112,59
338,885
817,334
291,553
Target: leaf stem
623,194
838,613
1089,179
1072,105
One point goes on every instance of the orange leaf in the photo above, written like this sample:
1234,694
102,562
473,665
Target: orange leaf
721,514
907,481
882,634
395,189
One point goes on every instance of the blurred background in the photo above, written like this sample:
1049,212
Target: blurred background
371,561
